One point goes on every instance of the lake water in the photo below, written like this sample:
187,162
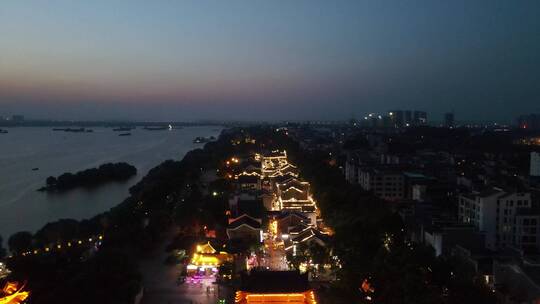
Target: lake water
22,149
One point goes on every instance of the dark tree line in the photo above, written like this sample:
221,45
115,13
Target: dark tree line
90,177
2,249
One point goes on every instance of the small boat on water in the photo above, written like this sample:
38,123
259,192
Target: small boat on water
74,130
35,169
156,128
122,129
124,134
2,131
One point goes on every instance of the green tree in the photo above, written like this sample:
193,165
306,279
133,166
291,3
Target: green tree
319,254
402,275
2,249
226,270
51,181
58,231
20,242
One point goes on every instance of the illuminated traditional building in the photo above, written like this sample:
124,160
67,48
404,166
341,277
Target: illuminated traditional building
13,293
281,177
294,195
275,287
248,167
284,178
289,219
273,162
249,182
245,227
248,173
206,259
303,234
287,169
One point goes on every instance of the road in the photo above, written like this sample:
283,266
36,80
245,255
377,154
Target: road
169,293
274,255
160,285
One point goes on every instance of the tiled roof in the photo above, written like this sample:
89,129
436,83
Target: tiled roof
244,220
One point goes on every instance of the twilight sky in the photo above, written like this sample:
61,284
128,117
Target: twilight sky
268,60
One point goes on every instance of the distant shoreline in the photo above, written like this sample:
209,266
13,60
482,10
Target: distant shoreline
107,124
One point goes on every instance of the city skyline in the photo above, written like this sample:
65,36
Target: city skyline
268,61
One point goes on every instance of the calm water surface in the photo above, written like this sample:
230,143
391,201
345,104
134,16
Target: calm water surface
24,208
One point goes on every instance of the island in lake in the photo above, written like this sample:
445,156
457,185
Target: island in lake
90,177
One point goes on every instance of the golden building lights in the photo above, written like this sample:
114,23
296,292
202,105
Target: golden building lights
13,293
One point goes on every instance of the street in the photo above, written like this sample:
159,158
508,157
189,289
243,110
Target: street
274,255
161,287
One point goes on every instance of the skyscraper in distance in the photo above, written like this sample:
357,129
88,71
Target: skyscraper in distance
420,118
397,118
449,120
408,118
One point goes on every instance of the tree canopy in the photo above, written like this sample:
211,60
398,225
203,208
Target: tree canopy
90,177
20,242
